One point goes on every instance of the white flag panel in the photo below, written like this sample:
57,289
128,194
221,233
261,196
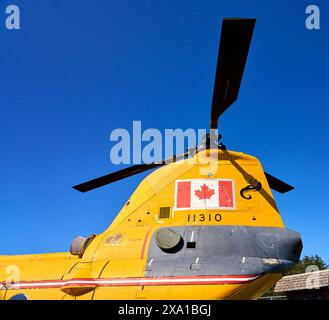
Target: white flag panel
204,194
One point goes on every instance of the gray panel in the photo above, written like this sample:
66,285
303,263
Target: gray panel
224,250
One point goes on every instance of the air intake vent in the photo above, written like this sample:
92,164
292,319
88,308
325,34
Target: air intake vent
164,213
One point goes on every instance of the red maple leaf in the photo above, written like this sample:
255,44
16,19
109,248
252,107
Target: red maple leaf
204,192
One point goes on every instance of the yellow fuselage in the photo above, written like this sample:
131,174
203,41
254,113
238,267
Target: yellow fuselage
117,264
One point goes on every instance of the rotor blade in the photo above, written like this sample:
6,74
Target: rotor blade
124,173
232,56
277,184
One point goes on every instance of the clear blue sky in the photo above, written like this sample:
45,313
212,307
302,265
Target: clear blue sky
78,69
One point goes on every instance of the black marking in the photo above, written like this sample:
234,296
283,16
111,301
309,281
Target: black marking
251,187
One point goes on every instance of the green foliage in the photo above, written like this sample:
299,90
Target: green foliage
301,266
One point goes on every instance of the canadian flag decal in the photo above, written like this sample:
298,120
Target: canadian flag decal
204,194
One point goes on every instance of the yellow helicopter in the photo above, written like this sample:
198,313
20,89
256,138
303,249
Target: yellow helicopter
204,225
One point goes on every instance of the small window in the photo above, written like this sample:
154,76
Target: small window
164,213
19,296
191,245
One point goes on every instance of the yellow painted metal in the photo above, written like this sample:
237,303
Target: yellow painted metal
121,250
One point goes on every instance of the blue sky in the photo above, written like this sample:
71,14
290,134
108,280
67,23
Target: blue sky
79,69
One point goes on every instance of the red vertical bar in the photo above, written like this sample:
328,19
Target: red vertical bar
144,243
183,194
226,194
